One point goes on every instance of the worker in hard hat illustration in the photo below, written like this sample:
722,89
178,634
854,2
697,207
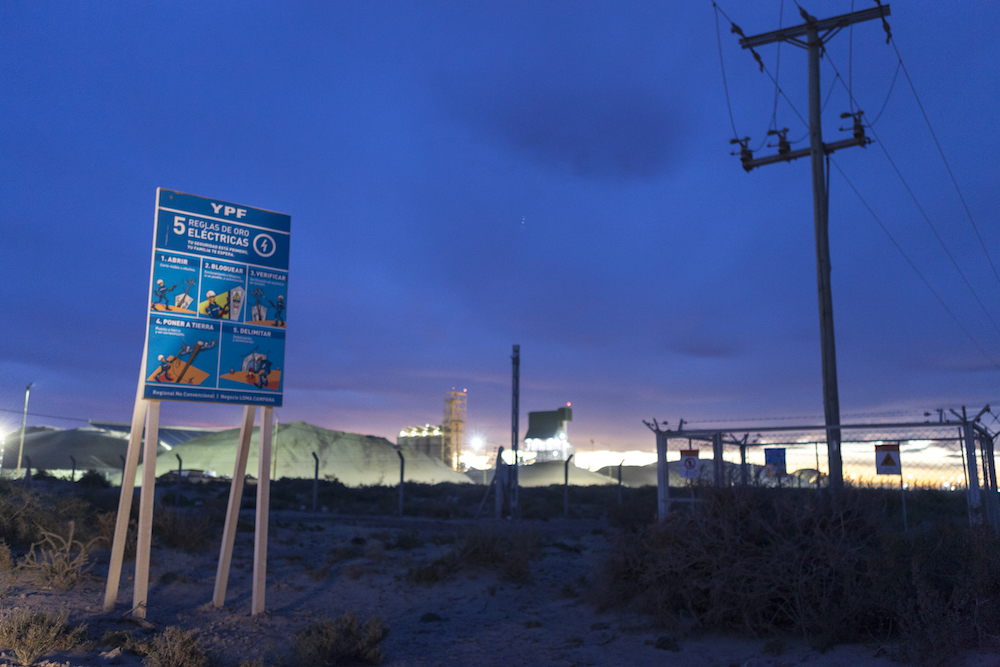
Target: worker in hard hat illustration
164,369
214,310
161,292
279,311
263,370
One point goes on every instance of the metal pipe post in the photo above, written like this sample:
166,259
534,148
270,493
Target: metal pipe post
515,428
315,481
180,471
566,487
402,468
744,473
620,481
718,469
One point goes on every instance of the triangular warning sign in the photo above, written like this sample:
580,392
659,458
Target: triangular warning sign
888,461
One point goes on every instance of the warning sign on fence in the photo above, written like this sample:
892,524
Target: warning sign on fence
690,464
774,462
887,460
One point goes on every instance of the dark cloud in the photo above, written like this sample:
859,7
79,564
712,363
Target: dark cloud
600,133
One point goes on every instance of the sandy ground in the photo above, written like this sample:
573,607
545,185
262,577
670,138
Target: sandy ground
471,618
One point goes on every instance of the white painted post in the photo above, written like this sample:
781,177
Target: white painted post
146,497
233,510
125,502
662,477
263,504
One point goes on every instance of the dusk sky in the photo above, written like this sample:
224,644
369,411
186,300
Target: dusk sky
464,176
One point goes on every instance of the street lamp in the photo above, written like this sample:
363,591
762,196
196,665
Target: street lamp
24,423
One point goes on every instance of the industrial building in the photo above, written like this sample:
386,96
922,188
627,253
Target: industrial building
444,441
547,436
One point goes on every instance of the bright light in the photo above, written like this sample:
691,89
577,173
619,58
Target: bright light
477,443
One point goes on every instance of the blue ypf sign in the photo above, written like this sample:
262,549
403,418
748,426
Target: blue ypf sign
218,302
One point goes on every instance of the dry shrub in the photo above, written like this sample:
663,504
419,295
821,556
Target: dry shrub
434,571
7,569
329,642
32,635
25,514
174,529
766,562
176,648
507,548
61,561
406,540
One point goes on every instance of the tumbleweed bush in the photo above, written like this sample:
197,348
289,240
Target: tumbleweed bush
176,648
341,641
31,635
61,561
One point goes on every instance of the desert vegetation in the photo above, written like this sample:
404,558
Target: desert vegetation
771,562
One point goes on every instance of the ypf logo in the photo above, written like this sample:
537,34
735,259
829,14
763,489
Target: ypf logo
264,245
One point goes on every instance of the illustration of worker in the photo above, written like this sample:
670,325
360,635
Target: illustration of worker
263,370
164,369
279,311
161,292
214,310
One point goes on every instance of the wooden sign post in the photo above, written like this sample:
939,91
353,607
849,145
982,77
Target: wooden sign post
219,251
150,411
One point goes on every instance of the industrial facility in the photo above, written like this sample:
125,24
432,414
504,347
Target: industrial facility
444,441
547,436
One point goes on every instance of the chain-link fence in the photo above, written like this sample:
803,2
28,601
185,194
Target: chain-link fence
948,456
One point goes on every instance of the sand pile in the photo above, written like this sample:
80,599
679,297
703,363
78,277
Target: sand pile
51,448
545,474
351,458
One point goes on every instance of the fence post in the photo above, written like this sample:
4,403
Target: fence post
315,481
402,469
662,477
500,482
620,481
566,487
989,478
180,471
744,473
123,468
975,501
717,461
72,475
27,479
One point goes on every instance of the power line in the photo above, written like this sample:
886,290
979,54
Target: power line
871,123
947,166
923,213
914,267
777,70
38,414
725,85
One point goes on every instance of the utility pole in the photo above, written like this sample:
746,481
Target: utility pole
24,425
817,151
514,427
